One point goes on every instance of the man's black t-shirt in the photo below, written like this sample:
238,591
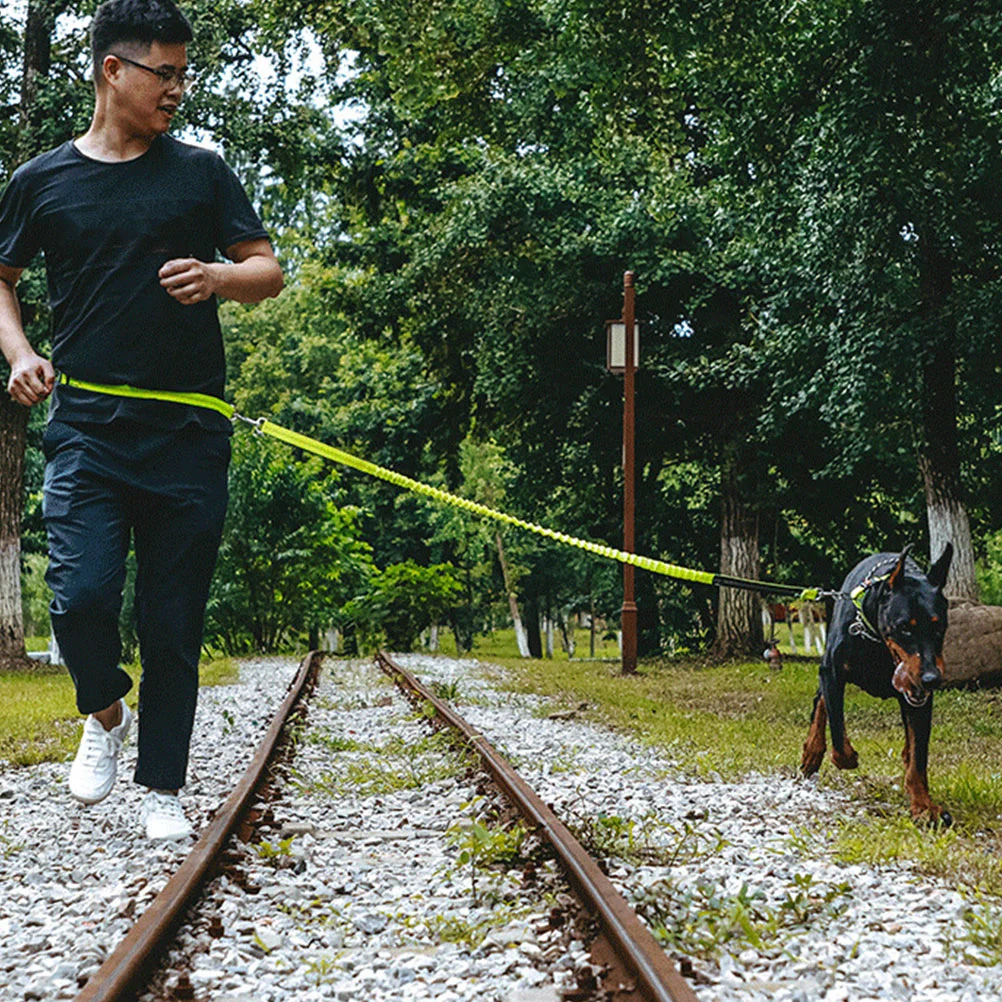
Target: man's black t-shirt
106,230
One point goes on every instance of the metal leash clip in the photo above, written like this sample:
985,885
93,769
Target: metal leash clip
859,629
257,424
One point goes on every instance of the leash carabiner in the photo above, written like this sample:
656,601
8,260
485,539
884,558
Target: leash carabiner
257,424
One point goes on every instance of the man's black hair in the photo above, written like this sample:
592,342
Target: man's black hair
140,22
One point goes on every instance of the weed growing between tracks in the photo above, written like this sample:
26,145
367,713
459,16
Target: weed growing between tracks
397,764
650,839
485,850
488,874
720,723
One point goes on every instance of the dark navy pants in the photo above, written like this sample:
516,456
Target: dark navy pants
167,489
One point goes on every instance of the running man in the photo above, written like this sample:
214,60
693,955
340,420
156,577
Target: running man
130,220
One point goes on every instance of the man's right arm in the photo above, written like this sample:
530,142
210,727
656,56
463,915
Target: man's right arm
31,376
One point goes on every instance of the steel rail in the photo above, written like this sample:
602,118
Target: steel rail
126,968
642,957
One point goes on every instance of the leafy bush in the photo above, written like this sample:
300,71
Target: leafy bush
403,600
990,571
35,594
290,557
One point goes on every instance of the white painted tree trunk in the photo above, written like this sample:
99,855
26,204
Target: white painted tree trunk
11,613
521,637
567,634
433,639
948,523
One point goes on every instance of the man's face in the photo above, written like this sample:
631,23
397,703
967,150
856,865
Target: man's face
145,100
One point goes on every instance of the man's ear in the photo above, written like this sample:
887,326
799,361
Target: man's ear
897,576
940,569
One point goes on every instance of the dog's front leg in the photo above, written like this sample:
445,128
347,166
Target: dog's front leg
918,726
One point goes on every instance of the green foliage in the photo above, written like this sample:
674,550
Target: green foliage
482,849
812,223
273,853
397,764
704,920
35,595
990,571
290,557
648,839
403,600
982,934
446,690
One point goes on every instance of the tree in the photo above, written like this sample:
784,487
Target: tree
898,217
37,125
290,558
403,600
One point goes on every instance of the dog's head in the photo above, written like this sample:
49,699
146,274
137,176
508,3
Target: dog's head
912,622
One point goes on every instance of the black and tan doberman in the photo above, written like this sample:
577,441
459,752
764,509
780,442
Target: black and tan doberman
886,636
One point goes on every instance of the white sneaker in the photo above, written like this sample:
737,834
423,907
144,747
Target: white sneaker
93,772
163,817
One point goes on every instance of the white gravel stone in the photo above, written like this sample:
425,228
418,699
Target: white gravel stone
888,932
358,891
74,878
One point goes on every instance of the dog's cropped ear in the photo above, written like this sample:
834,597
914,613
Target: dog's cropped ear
939,570
897,576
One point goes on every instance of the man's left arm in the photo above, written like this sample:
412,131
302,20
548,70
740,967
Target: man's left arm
253,275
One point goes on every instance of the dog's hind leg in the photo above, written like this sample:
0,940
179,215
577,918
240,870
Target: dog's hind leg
918,725
814,746
843,754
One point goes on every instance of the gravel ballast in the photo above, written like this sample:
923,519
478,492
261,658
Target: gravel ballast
74,878
869,932
355,890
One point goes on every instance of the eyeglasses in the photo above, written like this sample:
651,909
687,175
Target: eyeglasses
170,78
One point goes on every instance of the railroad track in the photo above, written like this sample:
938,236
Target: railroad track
633,964
627,963
126,970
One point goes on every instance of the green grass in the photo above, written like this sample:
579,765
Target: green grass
724,722
38,716
397,764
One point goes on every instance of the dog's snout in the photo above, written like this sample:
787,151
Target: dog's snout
931,678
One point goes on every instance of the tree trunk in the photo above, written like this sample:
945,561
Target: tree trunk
13,429
939,461
566,624
520,635
532,626
38,28
41,17
739,617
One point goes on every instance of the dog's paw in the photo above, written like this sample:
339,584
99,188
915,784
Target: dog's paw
932,816
845,760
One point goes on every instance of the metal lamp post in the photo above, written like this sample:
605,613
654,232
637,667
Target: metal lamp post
622,355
